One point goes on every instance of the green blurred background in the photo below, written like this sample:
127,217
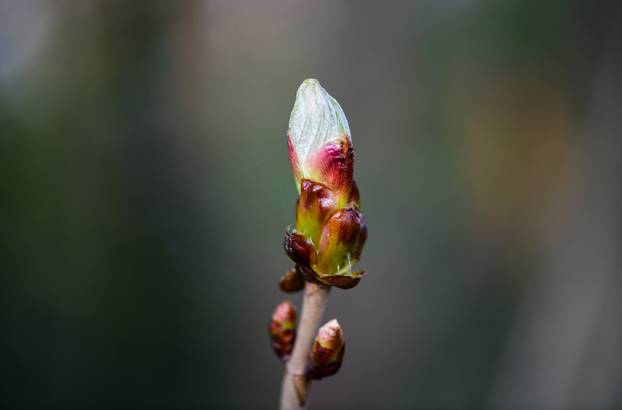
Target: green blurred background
145,189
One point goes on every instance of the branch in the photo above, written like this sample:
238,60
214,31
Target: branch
295,384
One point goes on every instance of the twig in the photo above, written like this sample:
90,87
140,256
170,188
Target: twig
295,384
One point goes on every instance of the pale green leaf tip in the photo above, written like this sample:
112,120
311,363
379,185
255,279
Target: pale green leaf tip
317,118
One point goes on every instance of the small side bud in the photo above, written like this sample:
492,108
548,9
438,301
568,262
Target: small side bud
327,351
282,330
292,281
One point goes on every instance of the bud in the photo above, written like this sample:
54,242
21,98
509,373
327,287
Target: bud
327,351
282,330
292,281
330,230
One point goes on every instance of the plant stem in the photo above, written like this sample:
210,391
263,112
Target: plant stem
295,383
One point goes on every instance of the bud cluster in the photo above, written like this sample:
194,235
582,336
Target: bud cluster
330,229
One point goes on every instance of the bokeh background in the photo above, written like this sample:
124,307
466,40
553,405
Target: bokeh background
145,189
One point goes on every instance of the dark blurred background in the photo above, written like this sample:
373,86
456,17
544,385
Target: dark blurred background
145,188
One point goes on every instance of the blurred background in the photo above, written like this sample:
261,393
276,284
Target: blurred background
145,188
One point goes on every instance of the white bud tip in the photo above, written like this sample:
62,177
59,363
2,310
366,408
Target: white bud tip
333,324
317,118
330,330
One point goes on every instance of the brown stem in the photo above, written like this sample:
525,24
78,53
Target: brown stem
295,384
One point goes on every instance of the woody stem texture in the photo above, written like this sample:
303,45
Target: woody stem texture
295,384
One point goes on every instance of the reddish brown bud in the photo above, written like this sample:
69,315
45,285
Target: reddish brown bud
327,351
299,249
292,281
282,330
